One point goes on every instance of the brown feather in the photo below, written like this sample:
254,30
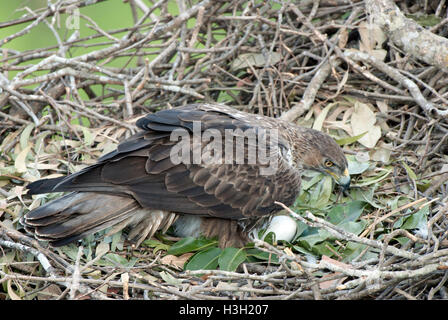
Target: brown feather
138,185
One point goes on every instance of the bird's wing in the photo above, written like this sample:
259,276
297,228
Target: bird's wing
143,168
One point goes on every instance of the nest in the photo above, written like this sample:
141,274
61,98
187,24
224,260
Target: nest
338,66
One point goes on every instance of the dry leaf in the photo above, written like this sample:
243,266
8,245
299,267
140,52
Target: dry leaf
178,262
362,156
255,60
382,152
382,122
334,282
36,203
8,224
12,294
53,175
9,138
101,249
17,191
372,38
336,262
148,277
43,166
225,286
331,283
20,163
382,106
3,204
125,281
318,123
336,112
343,38
363,119
49,293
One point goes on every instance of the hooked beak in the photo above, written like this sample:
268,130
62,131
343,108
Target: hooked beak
343,180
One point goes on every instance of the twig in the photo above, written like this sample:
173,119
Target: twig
397,76
344,235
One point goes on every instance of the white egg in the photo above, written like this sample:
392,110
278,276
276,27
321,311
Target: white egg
284,227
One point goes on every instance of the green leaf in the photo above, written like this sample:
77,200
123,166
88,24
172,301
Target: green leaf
325,248
409,171
423,185
114,260
346,15
7,258
309,241
204,260
321,195
383,173
399,222
353,250
71,250
417,220
346,212
224,97
355,166
38,145
5,171
88,136
301,227
156,244
262,255
85,122
402,240
425,20
190,244
270,238
117,242
304,251
231,258
366,195
168,278
349,140
353,227
314,176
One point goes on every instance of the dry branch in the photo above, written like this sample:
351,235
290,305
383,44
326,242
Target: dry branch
420,43
73,101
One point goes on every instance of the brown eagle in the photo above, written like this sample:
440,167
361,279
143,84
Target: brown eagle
206,169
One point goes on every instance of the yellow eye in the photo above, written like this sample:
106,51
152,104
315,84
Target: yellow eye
328,163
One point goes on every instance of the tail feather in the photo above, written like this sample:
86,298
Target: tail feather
78,181
79,214
43,185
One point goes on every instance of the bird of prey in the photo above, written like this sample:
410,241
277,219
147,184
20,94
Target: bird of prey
206,169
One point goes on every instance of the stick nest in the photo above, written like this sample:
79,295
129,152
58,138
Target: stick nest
333,65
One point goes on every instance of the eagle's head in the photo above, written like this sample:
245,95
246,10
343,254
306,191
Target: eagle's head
319,152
